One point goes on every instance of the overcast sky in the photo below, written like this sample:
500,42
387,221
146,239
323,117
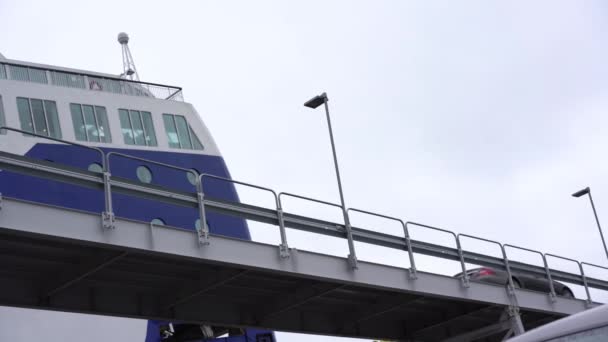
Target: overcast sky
477,116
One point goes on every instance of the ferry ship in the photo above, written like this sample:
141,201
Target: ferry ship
53,113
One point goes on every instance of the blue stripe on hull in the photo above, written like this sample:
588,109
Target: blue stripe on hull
76,197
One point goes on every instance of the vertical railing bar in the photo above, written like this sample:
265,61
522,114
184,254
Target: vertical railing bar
109,218
283,248
405,232
580,267
549,278
203,230
465,277
585,277
344,212
504,256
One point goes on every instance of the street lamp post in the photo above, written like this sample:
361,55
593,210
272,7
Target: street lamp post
313,103
587,191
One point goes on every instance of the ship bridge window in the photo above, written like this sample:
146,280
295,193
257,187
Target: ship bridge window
90,123
20,73
67,80
39,116
137,127
180,134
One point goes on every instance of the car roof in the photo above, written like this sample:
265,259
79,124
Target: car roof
581,321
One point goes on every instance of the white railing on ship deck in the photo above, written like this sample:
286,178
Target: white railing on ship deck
89,82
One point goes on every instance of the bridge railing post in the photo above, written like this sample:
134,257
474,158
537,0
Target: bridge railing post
202,230
107,215
465,278
585,277
108,218
283,247
405,232
510,283
582,273
552,295
108,173
351,246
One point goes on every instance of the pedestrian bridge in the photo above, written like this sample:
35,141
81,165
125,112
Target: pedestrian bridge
55,258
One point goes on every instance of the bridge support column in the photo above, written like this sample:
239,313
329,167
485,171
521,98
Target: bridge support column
517,327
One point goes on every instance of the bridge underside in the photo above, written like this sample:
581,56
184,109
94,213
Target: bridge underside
41,273
161,273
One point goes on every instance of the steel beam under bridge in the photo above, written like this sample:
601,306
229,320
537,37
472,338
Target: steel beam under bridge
60,259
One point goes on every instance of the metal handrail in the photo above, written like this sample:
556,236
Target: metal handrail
207,175
594,265
504,256
304,198
582,264
551,287
283,248
59,140
346,223
308,199
91,74
465,277
107,215
128,156
580,267
109,173
204,233
405,233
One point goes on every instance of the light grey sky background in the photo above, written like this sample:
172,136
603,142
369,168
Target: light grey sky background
477,116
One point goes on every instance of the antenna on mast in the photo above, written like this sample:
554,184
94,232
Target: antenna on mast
128,65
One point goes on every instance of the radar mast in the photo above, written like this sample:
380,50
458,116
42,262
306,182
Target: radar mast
128,65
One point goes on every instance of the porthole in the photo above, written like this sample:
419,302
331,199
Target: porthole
192,176
144,174
95,167
157,222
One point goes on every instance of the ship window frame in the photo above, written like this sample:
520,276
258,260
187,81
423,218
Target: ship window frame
48,122
28,74
99,124
2,117
181,141
147,127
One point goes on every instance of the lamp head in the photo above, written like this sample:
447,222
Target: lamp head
581,192
316,101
